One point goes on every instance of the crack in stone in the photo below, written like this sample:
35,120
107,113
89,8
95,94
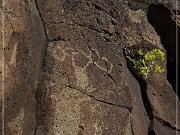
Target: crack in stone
111,78
99,7
103,10
145,99
43,23
132,123
57,39
131,120
97,54
148,107
45,53
35,131
151,125
90,27
165,123
166,27
106,102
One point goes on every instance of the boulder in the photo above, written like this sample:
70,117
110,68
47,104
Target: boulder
66,70
85,56
22,53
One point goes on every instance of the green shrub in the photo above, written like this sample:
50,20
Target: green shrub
145,63
142,13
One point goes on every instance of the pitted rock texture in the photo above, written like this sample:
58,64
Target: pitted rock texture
66,73
159,129
167,28
23,53
157,88
92,74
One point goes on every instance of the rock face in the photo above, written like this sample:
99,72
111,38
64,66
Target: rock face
165,25
95,79
156,89
66,73
23,45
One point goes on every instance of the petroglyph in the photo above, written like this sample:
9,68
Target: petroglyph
80,73
13,56
60,53
109,64
96,108
69,108
90,88
98,61
10,50
70,117
128,130
89,57
98,128
81,62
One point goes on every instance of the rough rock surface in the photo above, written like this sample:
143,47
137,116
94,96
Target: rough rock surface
157,88
84,51
24,47
166,27
163,17
159,129
84,86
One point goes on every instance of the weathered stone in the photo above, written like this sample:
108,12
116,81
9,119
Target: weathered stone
83,46
94,81
84,86
160,129
23,52
161,19
158,88
137,30
73,112
163,100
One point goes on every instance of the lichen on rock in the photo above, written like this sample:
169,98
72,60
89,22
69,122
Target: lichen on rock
144,63
142,13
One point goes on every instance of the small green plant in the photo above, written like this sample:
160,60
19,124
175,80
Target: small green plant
145,63
142,13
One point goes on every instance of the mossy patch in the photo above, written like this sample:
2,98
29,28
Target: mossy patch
144,63
142,13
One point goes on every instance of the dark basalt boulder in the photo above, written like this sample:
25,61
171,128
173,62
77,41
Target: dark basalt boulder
66,72
22,48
